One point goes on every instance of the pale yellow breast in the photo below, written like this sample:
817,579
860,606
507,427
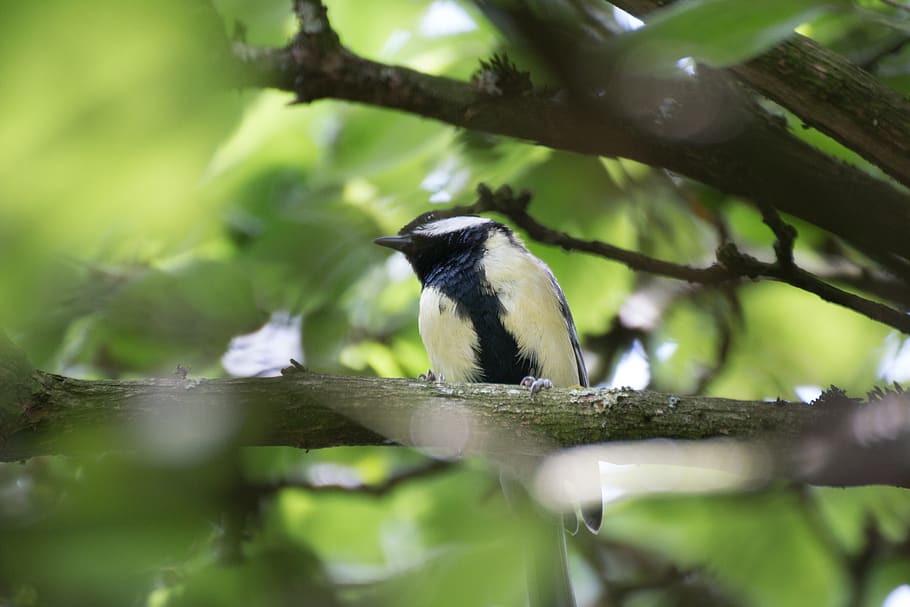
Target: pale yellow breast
533,312
450,340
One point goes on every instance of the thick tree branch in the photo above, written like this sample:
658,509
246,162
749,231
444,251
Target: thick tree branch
743,152
839,99
834,443
828,93
312,411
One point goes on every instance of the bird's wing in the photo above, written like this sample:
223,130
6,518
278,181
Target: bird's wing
573,335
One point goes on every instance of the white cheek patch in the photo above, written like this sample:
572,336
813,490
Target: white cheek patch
532,309
450,340
451,224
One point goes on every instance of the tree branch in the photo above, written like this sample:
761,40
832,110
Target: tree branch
882,286
732,264
828,93
312,411
897,5
386,486
744,151
833,443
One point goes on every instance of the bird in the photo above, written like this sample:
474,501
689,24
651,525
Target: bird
491,311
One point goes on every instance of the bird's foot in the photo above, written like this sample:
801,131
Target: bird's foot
429,376
536,384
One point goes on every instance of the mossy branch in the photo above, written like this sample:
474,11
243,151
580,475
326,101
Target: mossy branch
311,411
42,413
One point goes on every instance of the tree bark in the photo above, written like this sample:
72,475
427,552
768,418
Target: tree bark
832,441
828,93
311,411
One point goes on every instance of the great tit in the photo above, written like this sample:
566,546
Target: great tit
490,311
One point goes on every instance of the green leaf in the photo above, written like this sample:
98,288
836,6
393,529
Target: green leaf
718,33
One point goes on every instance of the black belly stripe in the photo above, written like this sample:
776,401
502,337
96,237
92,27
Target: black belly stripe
462,280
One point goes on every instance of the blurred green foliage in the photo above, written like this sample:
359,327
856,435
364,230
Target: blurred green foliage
149,213
720,33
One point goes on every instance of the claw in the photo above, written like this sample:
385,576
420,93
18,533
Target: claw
430,376
295,367
535,384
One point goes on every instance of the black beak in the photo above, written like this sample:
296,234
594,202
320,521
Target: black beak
399,243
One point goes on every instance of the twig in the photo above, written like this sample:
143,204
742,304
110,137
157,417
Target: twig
724,341
858,566
871,62
732,263
897,5
785,235
391,483
609,345
806,281
515,208
881,286
314,21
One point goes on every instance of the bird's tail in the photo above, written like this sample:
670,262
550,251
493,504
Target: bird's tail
544,549
548,570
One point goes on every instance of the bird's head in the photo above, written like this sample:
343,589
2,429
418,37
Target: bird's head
430,242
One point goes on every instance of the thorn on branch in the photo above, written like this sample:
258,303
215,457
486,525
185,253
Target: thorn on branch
504,201
878,393
500,77
484,198
834,397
